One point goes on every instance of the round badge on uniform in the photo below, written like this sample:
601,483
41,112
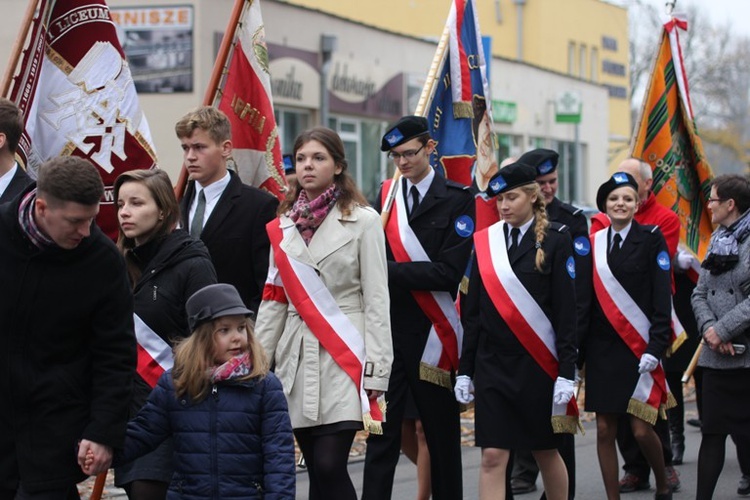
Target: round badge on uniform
570,266
464,226
663,260
582,245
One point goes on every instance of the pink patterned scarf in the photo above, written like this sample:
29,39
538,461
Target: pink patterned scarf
308,215
237,367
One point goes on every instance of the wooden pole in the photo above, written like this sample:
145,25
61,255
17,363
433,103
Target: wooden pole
427,92
18,46
96,493
218,72
693,364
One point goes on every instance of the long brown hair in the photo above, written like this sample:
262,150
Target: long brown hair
194,357
160,187
349,192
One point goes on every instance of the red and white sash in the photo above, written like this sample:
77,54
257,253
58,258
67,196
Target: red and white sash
154,353
440,355
651,394
523,315
322,315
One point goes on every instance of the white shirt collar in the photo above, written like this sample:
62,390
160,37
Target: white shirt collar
623,233
522,229
422,186
7,177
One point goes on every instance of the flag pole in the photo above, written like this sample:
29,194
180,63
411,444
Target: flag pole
218,72
427,91
18,45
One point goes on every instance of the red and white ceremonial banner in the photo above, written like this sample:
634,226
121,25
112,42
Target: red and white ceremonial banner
325,319
523,315
77,96
245,97
651,394
443,347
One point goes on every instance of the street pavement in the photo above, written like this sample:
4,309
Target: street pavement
589,484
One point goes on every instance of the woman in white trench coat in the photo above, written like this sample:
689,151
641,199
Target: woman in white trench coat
324,316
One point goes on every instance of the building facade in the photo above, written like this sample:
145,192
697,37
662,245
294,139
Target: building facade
371,77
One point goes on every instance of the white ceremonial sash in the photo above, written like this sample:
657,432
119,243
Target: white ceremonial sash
154,353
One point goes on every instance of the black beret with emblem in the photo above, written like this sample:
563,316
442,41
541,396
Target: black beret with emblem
544,160
617,180
510,177
404,130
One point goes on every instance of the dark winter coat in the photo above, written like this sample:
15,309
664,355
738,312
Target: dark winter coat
173,269
67,354
236,443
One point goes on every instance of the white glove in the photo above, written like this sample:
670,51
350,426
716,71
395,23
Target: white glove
464,389
685,260
648,363
564,390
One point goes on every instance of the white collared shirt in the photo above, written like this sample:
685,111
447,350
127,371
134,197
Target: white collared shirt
6,178
212,192
422,186
521,231
623,234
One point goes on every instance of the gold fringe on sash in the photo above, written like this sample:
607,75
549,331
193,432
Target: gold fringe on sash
647,412
373,426
678,341
643,411
435,375
462,110
566,424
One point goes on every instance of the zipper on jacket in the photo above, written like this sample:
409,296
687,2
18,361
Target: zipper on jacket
153,292
214,447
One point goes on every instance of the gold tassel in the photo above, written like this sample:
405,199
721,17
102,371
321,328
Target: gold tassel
462,109
643,411
463,287
565,424
435,375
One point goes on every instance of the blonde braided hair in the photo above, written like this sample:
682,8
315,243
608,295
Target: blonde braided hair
542,222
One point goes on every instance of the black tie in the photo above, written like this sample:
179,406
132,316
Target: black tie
614,252
414,199
514,233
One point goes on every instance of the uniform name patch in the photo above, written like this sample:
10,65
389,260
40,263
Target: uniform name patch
464,226
663,260
570,266
582,245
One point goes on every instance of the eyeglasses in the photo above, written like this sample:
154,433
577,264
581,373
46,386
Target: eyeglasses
715,200
408,155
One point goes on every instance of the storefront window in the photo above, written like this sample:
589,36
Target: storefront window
362,145
290,124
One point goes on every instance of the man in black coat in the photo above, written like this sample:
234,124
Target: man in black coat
13,179
67,348
229,216
441,215
525,469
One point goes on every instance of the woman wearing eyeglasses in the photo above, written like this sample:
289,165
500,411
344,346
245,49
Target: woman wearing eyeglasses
629,332
519,353
722,311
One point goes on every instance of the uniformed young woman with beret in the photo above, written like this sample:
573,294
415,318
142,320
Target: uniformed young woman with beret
519,317
629,331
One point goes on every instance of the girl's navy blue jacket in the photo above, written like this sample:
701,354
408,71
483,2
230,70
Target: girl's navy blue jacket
236,443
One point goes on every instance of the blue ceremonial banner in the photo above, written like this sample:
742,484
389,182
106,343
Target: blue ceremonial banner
456,103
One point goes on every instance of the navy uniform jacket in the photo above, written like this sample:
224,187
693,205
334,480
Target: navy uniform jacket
17,184
611,367
434,223
235,235
578,228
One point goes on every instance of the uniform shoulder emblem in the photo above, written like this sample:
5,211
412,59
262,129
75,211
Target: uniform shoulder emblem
571,209
557,226
456,185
